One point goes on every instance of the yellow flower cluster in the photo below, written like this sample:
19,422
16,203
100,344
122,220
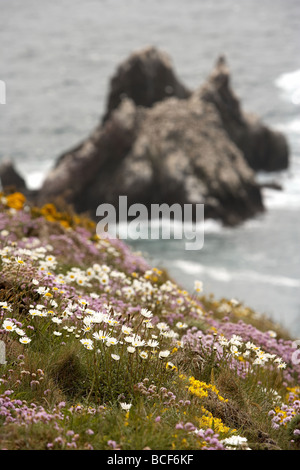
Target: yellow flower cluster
284,412
14,200
201,389
66,219
126,422
282,415
207,420
295,391
48,211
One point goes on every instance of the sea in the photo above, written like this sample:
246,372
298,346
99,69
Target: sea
57,59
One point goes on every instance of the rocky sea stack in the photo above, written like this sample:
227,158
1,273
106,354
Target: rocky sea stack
159,142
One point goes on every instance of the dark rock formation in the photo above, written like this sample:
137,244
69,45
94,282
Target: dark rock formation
263,148
10,178
146,77
95,160
188,148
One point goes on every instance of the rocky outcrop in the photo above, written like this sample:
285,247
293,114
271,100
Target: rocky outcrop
146,77
263,148
191,147
95,160
10,178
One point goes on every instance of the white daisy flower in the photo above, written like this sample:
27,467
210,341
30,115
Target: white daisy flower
8,325
24,340
126,406
115,357
164,354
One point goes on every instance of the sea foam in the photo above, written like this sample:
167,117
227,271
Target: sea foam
289,83
221,274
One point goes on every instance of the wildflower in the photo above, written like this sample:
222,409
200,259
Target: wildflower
126,406
90,272
96,317
93,295
15,200
42,290
143,354
87,343
282,365
170,366
235,442
223,341
236,340
162,326
146,313
24,340
87,328
111,321
105,268
131,349
20,332
200,389
71,277
234,350
41,313
181,325
111,341
50,259
137,342
164,354
100,335
115,357
48,295
104,279
8,325
198,286
152,343
258,361
5,306
89,316
81,281
126,330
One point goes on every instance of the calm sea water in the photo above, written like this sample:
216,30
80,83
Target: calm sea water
57,59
